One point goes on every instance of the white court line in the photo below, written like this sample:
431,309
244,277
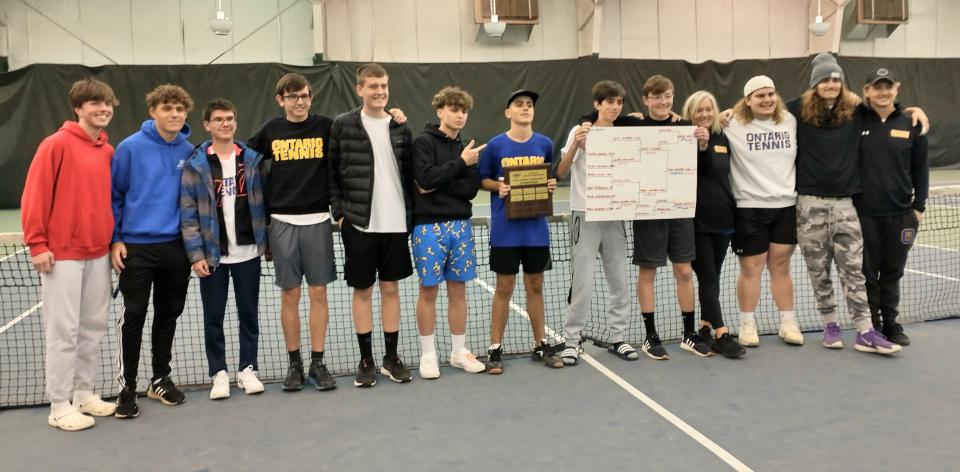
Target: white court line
928,246
12,255
22,316
697,436
928,274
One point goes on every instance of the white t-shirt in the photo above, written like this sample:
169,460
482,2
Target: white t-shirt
228,200
303,220
763,165
578,174
388,211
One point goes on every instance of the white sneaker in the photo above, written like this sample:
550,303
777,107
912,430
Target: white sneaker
748,334
248,381
221,386
790,332
70,419
467,361
429,366
94,406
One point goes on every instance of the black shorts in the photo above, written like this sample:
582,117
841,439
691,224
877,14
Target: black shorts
756,228
656,240
507,260
369,255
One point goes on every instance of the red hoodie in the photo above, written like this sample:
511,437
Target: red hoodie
65,208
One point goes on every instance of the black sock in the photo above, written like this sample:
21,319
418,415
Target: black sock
687,322
366,346
649,324
294,356
390,341
316,357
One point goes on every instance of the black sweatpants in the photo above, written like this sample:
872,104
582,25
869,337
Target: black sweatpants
164,268
711,251
886,242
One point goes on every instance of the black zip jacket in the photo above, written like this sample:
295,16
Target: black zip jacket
716,207
828,157
437,166
351,168
893,166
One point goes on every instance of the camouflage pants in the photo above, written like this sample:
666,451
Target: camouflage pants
828,230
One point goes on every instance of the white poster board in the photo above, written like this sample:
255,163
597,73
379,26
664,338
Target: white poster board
641,173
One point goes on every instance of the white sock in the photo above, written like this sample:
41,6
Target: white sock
495,346
427,344
788,315
80,396
459,342
747,317
57,408
831,318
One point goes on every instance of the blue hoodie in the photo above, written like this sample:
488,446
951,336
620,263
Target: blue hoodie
146,185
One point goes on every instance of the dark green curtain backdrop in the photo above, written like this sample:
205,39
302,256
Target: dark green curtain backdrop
33,101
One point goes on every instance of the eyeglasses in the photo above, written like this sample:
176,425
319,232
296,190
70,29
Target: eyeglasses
220,120
296,98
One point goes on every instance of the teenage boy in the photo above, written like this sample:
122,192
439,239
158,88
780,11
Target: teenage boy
895,177
656,240
224,227
67,223
447,179
147,248
370,186
517,242
300,229
588,238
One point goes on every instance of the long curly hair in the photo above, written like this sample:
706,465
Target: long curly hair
818,112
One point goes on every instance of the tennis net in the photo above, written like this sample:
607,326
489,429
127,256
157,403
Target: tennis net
930,290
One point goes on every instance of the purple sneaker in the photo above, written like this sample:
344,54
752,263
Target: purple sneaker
831,336
873,341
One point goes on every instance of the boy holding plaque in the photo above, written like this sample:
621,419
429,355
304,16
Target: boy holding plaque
522,241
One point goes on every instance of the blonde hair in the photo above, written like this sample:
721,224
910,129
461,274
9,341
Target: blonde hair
743,114
694,100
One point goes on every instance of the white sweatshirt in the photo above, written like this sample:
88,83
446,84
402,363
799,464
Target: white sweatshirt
763,162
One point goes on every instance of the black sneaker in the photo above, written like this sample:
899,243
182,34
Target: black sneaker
127,404
706,334
548,355
165,391
366,374
495,361
653,348
729,347
895,334
294,379
394,369
694,343
320,377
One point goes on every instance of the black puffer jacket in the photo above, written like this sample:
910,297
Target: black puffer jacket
351,168
437,166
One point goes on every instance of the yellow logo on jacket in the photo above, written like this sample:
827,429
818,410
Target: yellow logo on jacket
297,149
719,149
899,133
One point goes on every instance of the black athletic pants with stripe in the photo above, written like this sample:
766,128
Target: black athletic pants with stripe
164,268
886,242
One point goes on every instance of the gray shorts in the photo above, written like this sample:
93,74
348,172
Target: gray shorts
656,240
302,251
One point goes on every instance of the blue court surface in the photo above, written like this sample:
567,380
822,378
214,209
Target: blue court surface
778,408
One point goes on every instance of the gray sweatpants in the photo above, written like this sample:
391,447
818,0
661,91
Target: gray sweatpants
828,231
76,304
587,239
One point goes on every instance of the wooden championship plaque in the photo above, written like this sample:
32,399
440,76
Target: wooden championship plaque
528,197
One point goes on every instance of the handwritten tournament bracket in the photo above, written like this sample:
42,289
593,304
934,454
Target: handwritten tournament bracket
641,173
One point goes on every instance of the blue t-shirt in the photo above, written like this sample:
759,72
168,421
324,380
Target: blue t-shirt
502,152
